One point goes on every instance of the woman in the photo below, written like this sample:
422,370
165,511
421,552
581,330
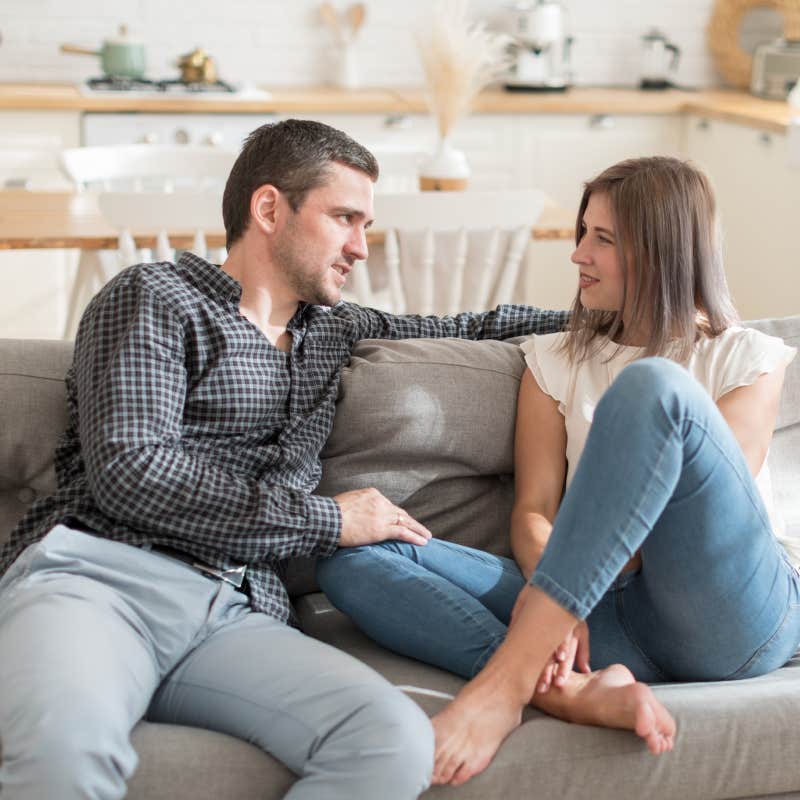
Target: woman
661,554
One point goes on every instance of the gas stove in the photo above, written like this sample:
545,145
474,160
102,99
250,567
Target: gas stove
176,86
144,87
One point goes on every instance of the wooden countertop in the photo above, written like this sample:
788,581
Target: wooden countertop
733,106
47,220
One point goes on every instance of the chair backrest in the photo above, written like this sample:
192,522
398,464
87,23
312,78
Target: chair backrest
141,167
36,168
162,214
448,251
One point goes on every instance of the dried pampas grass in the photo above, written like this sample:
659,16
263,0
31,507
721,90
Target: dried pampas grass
459,58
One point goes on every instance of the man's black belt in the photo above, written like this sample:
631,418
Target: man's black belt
233,575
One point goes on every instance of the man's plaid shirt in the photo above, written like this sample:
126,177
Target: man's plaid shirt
187,428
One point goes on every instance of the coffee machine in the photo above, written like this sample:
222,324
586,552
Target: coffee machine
540,47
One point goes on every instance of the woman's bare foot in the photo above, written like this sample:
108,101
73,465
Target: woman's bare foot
611,698
471,729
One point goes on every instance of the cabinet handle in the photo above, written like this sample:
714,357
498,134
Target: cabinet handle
602,122
703,124
397,121
765,139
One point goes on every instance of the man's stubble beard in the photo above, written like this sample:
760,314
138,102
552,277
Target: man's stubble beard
309,288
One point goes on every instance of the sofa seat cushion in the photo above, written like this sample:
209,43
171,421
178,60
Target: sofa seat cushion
734,738
182,763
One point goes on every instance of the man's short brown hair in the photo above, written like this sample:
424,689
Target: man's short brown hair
295,157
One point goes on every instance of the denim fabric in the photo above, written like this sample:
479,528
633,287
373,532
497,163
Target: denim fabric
441,603
716,597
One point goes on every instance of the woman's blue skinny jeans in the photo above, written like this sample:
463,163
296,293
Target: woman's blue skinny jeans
716,597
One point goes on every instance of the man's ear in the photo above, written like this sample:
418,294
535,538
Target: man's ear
265,206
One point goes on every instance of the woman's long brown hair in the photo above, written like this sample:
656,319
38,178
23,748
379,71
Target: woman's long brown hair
667,234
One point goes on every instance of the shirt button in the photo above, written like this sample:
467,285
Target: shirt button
26,495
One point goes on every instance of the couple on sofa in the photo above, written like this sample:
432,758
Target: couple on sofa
200,397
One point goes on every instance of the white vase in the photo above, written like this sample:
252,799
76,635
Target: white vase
348,77
446,170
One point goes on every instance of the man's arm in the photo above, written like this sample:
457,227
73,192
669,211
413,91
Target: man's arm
131,383
503,322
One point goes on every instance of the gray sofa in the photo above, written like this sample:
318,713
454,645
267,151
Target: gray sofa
430,423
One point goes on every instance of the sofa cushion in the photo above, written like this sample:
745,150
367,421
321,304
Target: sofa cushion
431,423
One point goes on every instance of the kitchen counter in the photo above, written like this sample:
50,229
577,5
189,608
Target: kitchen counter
732,106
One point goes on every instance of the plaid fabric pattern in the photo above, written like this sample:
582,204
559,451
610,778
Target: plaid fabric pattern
187,428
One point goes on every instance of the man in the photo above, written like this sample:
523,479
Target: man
199,399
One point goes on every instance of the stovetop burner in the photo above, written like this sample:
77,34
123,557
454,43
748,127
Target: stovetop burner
174,86
185,86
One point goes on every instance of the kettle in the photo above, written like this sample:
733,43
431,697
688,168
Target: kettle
659,60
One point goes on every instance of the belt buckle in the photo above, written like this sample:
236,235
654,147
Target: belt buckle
234,576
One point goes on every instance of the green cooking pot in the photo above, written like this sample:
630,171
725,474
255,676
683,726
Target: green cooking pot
119,58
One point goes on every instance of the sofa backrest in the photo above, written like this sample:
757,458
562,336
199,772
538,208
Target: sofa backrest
428,422
33,414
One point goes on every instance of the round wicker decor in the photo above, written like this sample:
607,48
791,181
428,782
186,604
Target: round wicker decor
734,63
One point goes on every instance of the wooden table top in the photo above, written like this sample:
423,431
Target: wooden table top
48,220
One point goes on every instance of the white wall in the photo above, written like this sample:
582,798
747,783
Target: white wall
282,42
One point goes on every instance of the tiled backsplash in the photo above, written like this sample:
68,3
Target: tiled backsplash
283,43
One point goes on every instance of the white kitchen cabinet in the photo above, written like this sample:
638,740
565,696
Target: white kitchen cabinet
757,194
41,128
34,284
559,152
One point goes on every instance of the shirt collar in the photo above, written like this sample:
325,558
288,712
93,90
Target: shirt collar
214,279
210,277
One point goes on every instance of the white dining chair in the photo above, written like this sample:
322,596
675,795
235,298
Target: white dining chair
135,168
159,214
31,168
143,167
445,252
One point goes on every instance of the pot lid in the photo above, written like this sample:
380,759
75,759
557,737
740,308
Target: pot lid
122,37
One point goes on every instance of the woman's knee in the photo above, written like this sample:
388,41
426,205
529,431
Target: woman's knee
649,384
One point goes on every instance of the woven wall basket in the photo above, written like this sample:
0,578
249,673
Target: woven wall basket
734,63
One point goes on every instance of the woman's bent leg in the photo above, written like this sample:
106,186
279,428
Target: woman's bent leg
662,471
441,603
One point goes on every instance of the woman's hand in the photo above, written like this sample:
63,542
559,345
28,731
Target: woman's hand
572,652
